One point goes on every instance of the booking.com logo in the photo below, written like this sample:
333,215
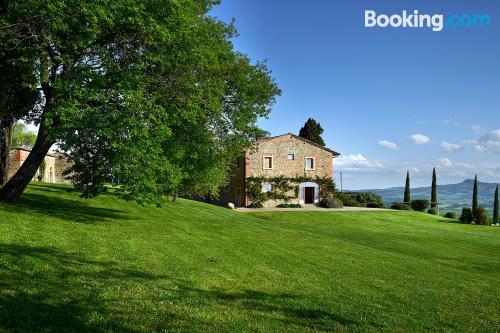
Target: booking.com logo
436,22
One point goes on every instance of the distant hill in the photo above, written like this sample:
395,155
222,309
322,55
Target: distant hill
452,196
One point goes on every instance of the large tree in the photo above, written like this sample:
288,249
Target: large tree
146,94
434,189
17,92
312,131
407,195
495,207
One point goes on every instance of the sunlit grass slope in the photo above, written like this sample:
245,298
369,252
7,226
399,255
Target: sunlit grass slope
68,264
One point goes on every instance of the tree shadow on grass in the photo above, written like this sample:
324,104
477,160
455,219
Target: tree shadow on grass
46,289
66,209
450,221
54,188
278,307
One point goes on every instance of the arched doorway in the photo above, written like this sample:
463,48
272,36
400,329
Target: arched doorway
309,193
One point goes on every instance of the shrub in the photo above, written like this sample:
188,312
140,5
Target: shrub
255,204
399,206
420,205
365,198
331,202
289,205
466,216
348,200
432,211
375,205
451,215
481,216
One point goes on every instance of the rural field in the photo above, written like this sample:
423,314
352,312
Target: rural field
68,264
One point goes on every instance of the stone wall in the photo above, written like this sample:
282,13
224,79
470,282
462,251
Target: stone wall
61,165
54,166
14,163
251,164
278,148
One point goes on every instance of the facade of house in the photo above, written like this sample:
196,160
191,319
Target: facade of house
52,172
286,156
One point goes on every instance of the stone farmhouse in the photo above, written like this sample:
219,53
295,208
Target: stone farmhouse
55,165
285,157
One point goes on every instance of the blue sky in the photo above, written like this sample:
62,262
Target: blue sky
372,89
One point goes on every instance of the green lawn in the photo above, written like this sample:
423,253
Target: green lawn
68,264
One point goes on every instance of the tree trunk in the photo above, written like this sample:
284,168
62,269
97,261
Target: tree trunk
6,124
13,189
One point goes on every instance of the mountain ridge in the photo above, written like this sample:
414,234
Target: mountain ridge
451,196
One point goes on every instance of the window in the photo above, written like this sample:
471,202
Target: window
291,157
268,162
266,187
309,163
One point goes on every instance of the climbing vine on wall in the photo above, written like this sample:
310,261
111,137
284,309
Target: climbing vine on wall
281,186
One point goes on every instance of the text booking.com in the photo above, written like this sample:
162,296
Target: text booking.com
436,22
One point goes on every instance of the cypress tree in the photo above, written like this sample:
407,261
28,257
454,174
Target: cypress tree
434,189
475,204
407,198
495,207
312,131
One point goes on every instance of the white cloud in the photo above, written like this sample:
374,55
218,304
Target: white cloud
451,147
356,162
445,161
488,143
420,139
388,144
478,129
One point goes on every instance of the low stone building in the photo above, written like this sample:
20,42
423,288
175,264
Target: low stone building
55,165
281,169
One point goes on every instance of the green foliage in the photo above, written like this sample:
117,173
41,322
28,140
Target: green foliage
375,205
407,196
366,198
399,206
289,205
481,216
432,211
312,131
41,171
331,202
495,207
451,215
18,84
475,203
348,200
434,189
360,199
466,216
256,204
22,137
281,187
150,96
420,205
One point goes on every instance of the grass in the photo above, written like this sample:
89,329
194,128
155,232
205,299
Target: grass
68,264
